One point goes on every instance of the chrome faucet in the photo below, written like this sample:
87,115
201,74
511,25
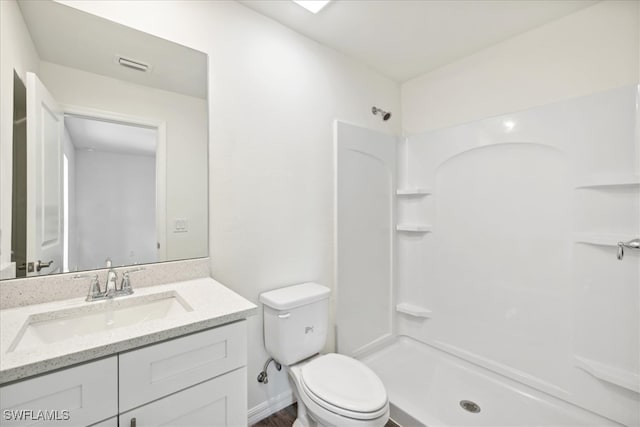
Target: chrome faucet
111,289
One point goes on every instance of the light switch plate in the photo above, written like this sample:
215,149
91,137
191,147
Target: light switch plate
181,225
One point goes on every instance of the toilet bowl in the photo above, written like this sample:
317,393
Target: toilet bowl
331,389
337,390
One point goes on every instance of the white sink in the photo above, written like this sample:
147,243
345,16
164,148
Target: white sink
97,317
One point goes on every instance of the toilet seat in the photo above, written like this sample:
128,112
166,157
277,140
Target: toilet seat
344,386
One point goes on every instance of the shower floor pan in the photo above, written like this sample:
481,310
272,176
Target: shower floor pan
430,387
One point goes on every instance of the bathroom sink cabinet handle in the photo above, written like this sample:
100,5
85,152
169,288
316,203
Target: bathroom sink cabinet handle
133,422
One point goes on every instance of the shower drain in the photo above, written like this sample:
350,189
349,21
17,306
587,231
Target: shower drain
470,406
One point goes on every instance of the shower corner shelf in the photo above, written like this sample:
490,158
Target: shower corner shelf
608,180
610,374
600,239
413,310
414,228
413,191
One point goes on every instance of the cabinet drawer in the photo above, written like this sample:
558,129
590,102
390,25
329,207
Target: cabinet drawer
76,396
218,402
111,422
161,369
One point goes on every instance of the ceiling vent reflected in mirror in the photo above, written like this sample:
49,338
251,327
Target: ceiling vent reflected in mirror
133,64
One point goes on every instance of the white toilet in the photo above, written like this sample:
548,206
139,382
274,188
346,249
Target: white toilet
332,389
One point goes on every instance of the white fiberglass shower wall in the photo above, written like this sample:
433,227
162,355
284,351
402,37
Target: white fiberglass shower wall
365,163
519,269
506,287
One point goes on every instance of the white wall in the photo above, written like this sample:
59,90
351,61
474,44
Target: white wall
273,97
115,196
592,50
186,149
16,52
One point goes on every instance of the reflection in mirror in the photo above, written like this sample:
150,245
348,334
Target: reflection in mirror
109,147
113,192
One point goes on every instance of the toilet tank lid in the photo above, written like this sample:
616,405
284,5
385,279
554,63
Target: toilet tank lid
294,296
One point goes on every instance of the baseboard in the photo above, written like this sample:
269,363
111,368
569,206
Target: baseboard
268,407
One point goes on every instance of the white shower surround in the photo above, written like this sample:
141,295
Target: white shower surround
507,254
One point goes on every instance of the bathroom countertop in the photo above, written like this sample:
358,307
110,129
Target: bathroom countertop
212,305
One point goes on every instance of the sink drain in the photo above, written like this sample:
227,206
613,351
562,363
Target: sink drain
470,406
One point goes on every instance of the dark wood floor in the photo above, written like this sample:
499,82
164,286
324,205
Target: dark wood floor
287,416
283,418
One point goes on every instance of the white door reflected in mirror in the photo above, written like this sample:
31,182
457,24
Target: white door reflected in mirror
44,181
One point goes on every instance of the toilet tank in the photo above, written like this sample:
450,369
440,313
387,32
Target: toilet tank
295,321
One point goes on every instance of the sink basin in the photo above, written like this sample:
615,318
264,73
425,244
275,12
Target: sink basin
93,318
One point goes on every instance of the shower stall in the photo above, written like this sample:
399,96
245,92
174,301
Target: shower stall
493,264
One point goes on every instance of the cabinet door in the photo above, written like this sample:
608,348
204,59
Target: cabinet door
158,370
76,396
221,401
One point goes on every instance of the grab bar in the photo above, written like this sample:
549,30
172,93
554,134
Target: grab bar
631,244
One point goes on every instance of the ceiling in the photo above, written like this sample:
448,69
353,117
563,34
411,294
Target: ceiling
405,38
75,39
100,135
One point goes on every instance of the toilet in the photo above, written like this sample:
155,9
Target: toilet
331,389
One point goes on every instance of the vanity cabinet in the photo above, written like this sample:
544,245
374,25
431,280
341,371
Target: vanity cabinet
111,422
217,402
197,379
207,366
81,395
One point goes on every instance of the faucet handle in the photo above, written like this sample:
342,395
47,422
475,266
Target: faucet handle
94,286
125,285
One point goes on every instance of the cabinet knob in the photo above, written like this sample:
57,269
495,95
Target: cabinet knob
132,423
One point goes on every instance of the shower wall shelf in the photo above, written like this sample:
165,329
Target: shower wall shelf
601,239
609,180
413,191
413,310
610,374
414,228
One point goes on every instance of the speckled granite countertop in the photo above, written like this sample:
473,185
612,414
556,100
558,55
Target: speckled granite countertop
212,305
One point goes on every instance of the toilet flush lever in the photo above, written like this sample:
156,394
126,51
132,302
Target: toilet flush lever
631,244
284,315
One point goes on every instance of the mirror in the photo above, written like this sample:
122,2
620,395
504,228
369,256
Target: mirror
109,149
